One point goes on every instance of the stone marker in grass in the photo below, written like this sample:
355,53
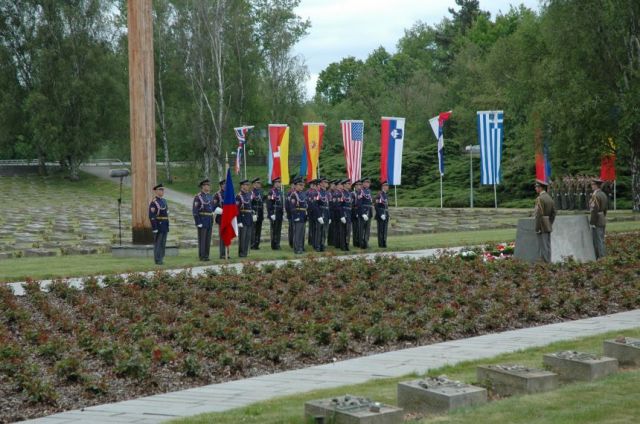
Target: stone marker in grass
438,395
625,349
350,409
508,379
571,365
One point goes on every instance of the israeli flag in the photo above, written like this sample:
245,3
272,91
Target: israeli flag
490,136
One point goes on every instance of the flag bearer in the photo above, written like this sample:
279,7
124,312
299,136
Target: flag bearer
245,218
258,210
364,205
275,203
298,206
381,204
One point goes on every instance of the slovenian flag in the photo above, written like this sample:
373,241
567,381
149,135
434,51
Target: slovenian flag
392,141
279,153
437,125
229,220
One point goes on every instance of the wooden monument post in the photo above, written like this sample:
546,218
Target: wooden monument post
142,117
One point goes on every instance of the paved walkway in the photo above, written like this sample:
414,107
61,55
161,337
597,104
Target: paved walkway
225,396
18,290
169,194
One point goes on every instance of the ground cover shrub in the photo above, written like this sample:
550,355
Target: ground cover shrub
158,333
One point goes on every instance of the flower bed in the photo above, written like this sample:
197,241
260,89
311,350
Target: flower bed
70,348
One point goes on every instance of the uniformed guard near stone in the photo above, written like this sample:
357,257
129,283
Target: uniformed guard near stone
298,206
258,210
311,193
218,202
245,218
203,214
355,218
364,204
598,206
320,207
544,215
275,205
381,204
159,217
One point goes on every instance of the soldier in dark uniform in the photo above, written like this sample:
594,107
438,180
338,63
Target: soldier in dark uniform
287,208
218,203
275,205
544,215
364,204
344,218
159,217
355,218
245,218
311,193
298,206
598,206
203,216
320,207
382,214
331,241
258,209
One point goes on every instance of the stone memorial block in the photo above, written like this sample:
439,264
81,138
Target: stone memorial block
580,366
507,379
571,236
352,410
625,349
436,395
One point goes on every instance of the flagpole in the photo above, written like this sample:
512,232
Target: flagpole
244,153
395,194
440,190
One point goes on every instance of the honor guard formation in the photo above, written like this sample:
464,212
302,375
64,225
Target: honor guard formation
328,213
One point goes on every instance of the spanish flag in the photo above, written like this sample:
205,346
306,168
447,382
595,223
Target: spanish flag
313,134
279,153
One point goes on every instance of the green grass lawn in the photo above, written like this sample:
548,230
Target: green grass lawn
611,400
19,269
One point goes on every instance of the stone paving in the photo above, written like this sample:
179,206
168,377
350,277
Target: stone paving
226,396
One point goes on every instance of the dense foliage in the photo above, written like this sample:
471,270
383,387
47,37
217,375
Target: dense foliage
69,347
567,74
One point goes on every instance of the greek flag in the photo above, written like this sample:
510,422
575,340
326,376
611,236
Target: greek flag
490,136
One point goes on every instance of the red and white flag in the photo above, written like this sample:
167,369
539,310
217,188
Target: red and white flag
353,140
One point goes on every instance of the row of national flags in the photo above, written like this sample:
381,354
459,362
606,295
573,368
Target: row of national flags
490,127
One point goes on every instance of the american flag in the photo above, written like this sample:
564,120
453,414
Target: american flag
353,138
241,135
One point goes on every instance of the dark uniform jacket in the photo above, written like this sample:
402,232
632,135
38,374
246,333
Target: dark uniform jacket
245,212
382,205
203,209
320,205
218,202
346,205
364,202
275,203
258,203
598,206
159,215
298,206
544,213
311,196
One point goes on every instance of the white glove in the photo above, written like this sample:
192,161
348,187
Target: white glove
593,227
329,221
254,217
273,217
365,217
199,225
155,231
296,220
321,220
383,217
240,225
218,211
343,220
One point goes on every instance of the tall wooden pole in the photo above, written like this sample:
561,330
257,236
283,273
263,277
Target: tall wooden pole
142,117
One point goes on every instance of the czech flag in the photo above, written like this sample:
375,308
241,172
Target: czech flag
279,152
229,220
392,141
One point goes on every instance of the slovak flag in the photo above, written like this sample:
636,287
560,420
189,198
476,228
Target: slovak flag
437,124
229,221
392,140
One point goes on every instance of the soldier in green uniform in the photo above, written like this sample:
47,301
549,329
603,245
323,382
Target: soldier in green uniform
544,214
598,206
